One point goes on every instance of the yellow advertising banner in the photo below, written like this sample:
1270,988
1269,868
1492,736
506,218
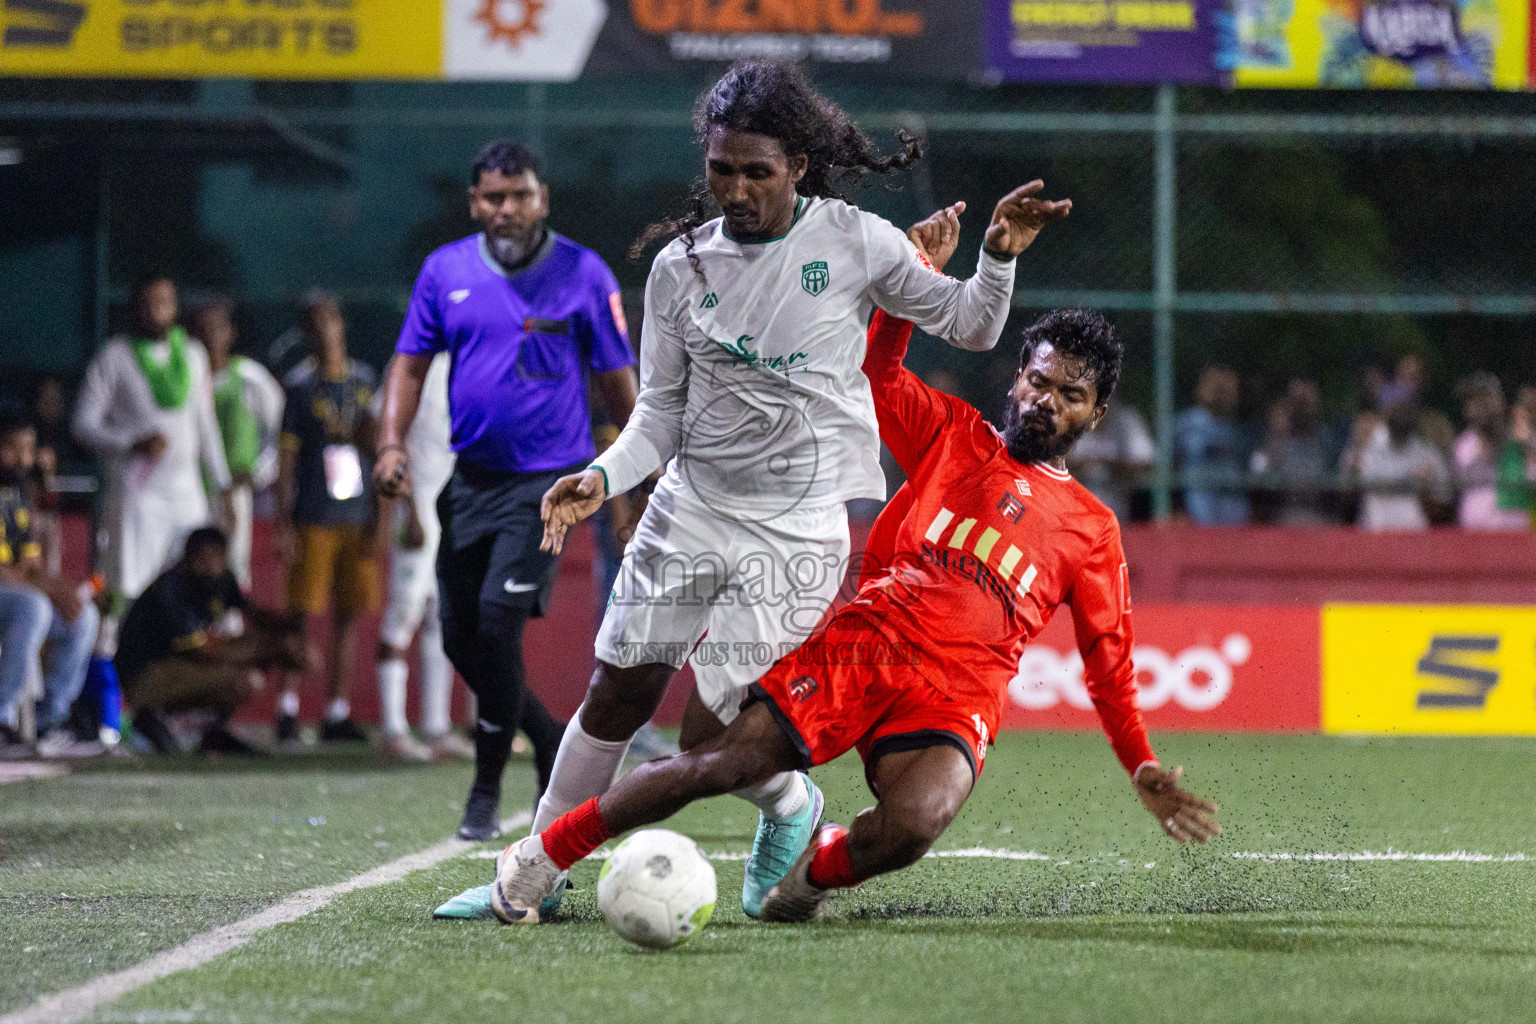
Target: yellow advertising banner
1463,670
1378,44
212,38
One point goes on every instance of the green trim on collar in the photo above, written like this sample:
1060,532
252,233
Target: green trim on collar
800,204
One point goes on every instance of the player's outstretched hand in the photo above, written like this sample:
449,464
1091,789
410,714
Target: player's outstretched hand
937,236
1019,216
1183,815
571,499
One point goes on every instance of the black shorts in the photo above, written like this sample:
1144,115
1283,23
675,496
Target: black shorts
489,565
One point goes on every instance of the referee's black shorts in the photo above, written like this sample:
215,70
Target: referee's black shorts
489,566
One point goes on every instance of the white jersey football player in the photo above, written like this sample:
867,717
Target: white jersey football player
753,399
411,610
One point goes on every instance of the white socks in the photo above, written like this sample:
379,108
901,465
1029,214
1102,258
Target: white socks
338,709
288,703
584,768
782,796
392,676
436,679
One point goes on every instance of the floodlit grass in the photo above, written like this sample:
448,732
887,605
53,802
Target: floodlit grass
1116,924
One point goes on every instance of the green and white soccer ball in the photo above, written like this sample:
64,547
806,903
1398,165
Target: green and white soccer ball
657,889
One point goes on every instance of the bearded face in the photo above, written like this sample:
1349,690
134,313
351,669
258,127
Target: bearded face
1034,434
1052,403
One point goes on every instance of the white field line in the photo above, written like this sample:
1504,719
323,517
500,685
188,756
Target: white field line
1457,857
15,771
72,1004
983,853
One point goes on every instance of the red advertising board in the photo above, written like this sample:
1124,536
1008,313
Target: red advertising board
1199,667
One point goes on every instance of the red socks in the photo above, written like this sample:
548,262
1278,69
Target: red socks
574,835
830,866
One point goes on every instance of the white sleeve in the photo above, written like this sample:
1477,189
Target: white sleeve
265,395
968,314
92,406
210,439
655,429
1140,449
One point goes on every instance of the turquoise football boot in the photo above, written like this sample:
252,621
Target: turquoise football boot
469,905
475,905
779,843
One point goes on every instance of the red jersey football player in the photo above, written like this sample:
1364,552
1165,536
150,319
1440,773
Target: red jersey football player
992,537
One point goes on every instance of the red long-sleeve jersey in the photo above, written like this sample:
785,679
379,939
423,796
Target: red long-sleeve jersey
978,550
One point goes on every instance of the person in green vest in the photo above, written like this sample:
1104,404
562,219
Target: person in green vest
248,401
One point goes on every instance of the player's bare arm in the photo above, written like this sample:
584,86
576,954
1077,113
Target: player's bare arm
402,396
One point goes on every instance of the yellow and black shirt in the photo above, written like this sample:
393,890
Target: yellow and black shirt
17,542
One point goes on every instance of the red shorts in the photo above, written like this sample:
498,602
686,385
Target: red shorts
865,701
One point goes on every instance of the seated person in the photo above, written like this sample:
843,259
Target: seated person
39,612
191,642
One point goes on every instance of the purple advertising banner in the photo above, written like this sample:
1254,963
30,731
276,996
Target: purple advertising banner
1145,41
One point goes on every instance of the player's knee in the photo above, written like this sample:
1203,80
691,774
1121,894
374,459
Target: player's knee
621,700
459,646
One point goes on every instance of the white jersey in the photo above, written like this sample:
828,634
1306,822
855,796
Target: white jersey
750,371
428,444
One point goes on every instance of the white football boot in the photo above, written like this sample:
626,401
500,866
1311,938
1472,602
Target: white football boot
795,899
526,879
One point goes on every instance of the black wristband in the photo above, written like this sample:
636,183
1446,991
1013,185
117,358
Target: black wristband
997,255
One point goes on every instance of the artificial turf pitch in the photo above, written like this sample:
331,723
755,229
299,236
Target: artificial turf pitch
1112,922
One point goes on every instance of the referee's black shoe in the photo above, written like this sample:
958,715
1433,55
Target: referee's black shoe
482,816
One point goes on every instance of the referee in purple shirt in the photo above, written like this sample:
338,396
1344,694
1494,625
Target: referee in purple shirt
530,318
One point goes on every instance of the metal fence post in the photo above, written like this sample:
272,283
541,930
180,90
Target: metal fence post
1165,199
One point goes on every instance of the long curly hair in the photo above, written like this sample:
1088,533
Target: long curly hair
776,99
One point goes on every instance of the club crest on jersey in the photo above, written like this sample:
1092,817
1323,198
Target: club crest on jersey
802,688
710,301
814,277
1010,508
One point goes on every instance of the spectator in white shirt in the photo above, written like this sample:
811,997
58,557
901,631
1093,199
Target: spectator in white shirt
1404,477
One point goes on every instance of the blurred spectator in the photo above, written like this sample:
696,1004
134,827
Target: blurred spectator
146,407
1517,470
1404,477
1212,450
1112,459
413,608
51,429
1298,456
326,520
1490,464
191,643
36,608
248,401
1407,386
56,446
